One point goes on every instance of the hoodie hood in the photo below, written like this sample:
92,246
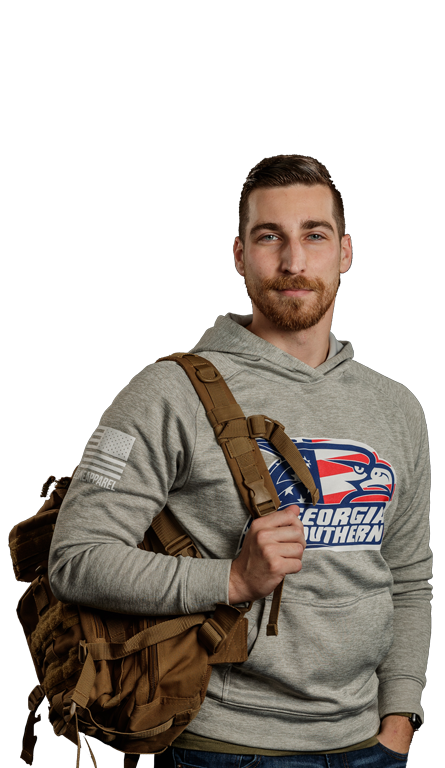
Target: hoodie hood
230,337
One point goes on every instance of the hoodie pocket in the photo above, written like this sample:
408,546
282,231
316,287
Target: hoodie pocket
323,661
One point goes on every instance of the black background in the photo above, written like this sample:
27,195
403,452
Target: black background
127,221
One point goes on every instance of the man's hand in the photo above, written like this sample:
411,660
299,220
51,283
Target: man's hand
273,547
396,733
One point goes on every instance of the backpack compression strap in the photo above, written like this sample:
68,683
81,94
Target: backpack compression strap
236,436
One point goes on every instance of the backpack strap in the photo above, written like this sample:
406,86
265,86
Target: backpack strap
230,426
29,739
173,538
237,437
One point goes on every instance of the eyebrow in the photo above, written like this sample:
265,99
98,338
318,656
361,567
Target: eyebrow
306,225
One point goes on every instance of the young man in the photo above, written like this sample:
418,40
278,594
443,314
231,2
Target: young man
341,684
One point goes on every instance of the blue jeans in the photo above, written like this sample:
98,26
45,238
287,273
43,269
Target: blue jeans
372,757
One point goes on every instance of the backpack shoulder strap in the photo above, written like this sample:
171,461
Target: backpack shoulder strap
237,435
231,429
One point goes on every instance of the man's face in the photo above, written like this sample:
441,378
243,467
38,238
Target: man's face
292,256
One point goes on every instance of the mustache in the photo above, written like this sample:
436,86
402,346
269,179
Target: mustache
295,283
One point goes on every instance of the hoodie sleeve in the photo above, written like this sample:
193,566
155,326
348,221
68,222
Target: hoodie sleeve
141,452
406,550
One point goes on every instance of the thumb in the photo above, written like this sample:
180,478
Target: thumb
294,508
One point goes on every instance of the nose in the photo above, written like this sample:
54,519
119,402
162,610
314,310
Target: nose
293,257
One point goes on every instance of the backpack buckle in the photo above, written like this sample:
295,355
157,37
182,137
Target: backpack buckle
211,636
178,546
261,500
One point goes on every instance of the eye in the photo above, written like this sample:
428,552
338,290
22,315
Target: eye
316,236
268,238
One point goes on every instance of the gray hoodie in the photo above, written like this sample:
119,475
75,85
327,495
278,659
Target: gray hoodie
354,624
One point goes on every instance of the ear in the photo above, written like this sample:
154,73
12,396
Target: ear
238,252
345,253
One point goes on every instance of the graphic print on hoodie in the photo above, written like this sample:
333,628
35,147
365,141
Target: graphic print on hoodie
355,488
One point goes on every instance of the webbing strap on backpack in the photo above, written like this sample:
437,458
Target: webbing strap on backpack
237,435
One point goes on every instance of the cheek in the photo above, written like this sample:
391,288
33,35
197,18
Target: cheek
259,267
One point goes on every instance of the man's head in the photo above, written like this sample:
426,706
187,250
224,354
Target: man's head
291,248
283,171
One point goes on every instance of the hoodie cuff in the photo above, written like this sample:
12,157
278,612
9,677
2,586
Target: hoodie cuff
400,695
207,583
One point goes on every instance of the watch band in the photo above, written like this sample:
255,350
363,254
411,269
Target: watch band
415,721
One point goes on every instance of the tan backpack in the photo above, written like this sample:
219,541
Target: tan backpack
136,682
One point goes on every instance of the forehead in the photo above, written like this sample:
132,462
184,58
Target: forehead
288,206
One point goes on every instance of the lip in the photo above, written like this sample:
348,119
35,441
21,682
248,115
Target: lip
298,292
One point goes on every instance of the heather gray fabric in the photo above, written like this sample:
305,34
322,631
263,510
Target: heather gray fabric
354,623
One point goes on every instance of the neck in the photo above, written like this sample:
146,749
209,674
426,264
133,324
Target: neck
310,346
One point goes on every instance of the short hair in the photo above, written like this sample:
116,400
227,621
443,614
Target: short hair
283,171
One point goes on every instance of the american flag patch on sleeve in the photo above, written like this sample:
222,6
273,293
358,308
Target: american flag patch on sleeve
105,457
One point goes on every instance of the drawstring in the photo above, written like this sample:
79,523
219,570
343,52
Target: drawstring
79,744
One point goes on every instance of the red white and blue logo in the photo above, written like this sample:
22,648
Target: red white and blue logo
355,487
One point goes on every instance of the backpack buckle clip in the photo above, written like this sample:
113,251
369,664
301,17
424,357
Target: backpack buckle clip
261,500
178,546
211,636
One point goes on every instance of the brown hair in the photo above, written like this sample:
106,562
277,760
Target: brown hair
283,171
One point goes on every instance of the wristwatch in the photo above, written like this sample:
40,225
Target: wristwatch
415,721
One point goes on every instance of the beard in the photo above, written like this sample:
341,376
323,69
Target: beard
287,312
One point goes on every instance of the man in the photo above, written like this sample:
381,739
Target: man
350,657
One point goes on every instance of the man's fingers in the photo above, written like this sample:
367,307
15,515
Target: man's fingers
279,517
272,548
293,509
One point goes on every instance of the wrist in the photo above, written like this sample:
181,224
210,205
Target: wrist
414,720
396,732
236,587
